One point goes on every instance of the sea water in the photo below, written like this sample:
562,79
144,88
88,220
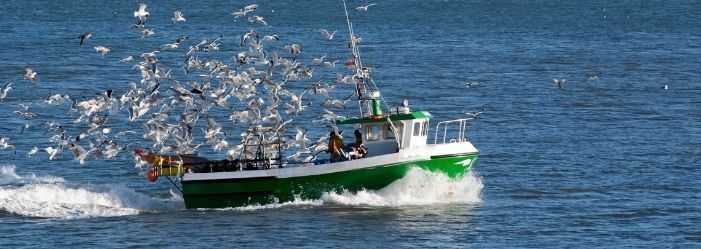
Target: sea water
605,161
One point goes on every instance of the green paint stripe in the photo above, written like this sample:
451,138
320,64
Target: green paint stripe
237,193
395,117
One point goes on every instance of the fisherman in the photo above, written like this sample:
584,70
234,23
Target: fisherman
358,147
335,147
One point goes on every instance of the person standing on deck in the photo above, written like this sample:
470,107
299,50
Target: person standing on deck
335,147
358,146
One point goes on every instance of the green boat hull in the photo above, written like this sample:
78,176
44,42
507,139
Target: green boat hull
266,190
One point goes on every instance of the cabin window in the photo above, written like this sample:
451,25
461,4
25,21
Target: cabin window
424,128
388,130
388,133
417,128
372,132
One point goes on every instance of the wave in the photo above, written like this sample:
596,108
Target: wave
418,187
9,176
52,197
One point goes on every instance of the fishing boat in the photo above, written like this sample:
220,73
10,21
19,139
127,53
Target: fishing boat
394,141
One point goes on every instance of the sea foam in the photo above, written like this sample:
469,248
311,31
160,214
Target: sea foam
52,197
418,187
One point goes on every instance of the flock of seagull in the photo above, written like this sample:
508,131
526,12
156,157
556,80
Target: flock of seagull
253,88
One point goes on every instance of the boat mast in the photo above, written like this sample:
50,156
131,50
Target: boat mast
366,90
354,49
363,83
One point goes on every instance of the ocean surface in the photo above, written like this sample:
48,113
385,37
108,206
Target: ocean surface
610,159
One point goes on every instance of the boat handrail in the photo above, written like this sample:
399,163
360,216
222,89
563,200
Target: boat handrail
461,130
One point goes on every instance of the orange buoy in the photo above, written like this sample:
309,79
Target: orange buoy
152,175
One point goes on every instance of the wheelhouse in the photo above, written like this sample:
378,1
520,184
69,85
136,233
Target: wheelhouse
388,134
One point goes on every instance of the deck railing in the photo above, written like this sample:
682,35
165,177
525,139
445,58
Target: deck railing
455,138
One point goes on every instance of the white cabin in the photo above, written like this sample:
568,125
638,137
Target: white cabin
379,136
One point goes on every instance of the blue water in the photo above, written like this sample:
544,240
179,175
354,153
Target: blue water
612,162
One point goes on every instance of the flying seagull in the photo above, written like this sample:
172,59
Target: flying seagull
560,83
4,145
30,75
141,13
6,88
84,37
326,33
364,8
102,50
257,19
178,16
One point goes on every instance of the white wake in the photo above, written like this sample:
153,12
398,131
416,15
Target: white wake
52,197
418,187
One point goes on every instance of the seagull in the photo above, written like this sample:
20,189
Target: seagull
30,75
141,13
28,125
127,59
295,104
147,33
474,114
24,111
328,116
170,46
321,144
212,46
665,88
79,154
300,138
247,38
4,145
271,38
53,152
181,39
102,50
472,83
240,13
244,11
326,34
293,48
32,152
330,65
335,103
178,16
150,57
258,19
560,83
5,89
318,88
251,7
317,61
84,37
56,99
364,8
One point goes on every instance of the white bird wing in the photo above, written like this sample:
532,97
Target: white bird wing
250,7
